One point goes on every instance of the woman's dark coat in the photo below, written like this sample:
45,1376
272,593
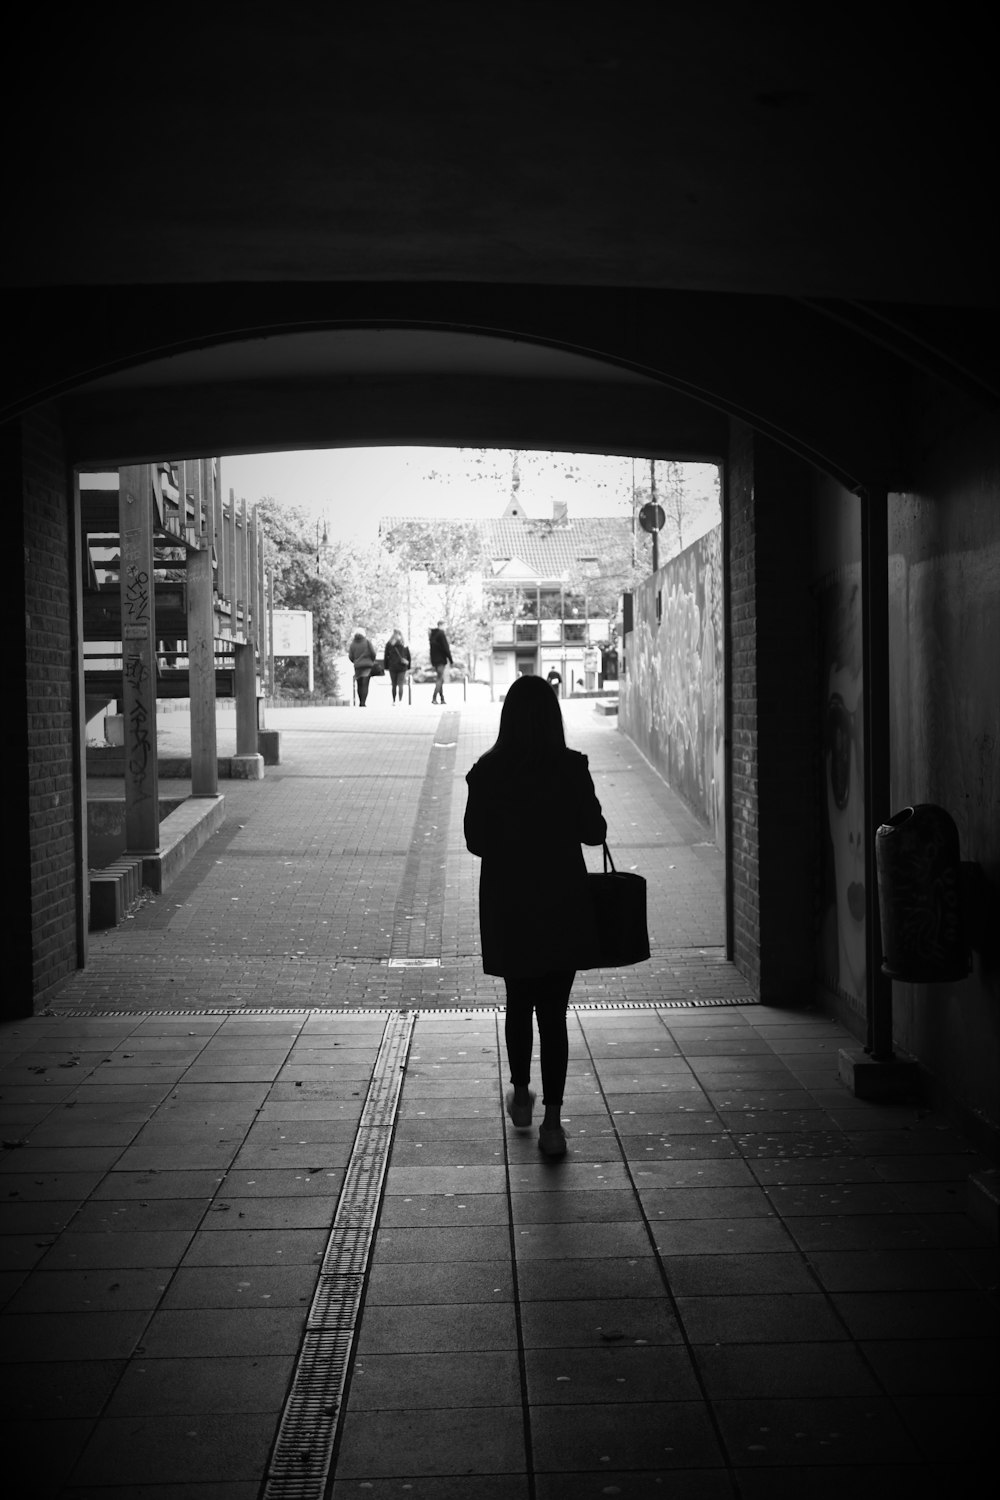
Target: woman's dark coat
396,657
362,656
527,823
439,649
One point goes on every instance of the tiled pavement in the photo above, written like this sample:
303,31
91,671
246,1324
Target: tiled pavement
741,1282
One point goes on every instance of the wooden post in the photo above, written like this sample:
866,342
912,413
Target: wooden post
135,524
260,616
201,673
270,632
219,533
246,698
232,566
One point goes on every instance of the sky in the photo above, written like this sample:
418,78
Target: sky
351,489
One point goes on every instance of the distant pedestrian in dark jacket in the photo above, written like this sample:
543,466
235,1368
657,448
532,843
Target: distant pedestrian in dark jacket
362,655
397,662
531,805
440,658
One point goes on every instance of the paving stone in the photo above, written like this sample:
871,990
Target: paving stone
428,1209
389,1382
829,1430
668,1203
917,1314
284,1285
394,1328
435,1487
220,1385
67,1390
117,1290
737,1275
636,1484
437,1243
241,1246
783,1370
611,1371
610,1206
623,1435
785,1318
571,1241
69,1337
589,1280
465,1440
886,1270
157,1183
721,1236
54,1446
125,1451
260,1182
208,1332
439,1284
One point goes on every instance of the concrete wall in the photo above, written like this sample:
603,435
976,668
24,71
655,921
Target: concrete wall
671,702
944,602
797,868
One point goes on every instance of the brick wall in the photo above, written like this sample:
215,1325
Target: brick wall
772,716
47,756
744,847
788,757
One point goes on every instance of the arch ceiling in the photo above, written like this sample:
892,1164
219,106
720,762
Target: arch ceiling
407,222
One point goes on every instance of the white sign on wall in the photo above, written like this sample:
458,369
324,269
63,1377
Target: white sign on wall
293,632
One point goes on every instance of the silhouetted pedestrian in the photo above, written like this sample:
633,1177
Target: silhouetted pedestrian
440,658
397,662
362,655
531,804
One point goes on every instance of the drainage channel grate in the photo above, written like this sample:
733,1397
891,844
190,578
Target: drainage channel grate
73,1012
303,1449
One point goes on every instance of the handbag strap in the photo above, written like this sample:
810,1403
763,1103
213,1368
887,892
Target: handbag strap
608,860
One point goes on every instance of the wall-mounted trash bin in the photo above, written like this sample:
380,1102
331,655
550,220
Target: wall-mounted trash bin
920,897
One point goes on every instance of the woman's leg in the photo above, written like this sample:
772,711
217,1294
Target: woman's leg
519,1034
551,1003
362,690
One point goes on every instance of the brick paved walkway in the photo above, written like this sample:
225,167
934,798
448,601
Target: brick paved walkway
265,1224
351,853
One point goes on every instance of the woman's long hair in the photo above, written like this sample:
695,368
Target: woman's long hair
531,722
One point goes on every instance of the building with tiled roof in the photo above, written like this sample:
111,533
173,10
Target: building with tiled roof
552,586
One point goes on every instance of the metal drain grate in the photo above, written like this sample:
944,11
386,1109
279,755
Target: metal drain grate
72,1012
303,1449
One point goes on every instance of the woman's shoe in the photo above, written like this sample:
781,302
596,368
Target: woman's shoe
520,1114
552,1140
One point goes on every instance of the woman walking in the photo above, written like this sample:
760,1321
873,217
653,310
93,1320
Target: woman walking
440,654
531,805
362,655
397,662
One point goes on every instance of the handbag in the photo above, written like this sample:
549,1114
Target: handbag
619,934
378,669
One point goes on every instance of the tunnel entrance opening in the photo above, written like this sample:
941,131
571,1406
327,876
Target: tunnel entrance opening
531,617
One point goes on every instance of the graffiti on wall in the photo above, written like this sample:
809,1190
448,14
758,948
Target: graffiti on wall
672,696
842,872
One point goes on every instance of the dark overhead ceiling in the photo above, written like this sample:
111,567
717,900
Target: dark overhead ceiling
556,223
825,152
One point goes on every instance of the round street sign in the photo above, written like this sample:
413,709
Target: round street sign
652,517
